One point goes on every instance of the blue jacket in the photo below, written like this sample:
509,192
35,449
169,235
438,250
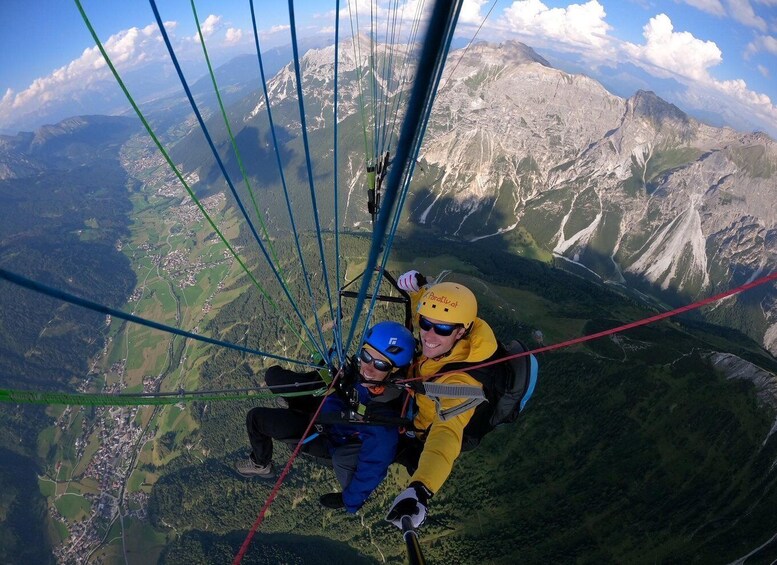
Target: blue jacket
379,443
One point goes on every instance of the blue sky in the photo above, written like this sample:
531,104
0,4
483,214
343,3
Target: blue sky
709,57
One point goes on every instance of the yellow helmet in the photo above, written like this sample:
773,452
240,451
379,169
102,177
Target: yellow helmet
449,302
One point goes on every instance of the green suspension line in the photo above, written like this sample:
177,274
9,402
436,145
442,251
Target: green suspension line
180,176
234,143
81,399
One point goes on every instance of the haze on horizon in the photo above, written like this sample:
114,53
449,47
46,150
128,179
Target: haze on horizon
714,59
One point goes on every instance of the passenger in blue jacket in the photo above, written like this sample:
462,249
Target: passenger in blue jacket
360,453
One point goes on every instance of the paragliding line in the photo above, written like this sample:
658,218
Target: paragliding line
438,35
175,170
320,346
232,139
407,173
338,330
306,144
276,146
277,486
624,327
96,307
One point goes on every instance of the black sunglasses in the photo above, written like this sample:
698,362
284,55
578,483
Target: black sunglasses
379,364
443,330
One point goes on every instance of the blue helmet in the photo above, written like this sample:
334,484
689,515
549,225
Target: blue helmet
393,340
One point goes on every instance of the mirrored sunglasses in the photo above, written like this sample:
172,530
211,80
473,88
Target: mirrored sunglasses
443,330
379,364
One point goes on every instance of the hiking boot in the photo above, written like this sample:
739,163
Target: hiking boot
248,468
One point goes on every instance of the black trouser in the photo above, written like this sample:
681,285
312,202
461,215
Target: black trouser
265,424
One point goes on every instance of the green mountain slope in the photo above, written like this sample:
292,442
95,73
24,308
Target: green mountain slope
633,449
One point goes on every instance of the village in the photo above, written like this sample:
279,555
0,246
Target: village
116,429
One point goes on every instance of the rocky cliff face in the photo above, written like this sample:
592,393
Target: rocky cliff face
635,190
632,189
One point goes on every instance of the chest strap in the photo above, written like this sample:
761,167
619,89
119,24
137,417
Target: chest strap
471,395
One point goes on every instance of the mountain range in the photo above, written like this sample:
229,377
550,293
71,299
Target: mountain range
518,157
633,190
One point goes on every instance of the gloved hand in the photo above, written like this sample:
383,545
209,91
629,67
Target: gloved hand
349,375
411,502
411,281
332,500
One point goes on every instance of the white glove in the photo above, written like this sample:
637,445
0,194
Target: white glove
409,281
411,503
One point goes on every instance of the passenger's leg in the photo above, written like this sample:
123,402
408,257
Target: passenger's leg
282,381
265,424
344,461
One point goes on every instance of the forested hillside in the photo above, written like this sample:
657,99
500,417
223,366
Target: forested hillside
59,224
633,449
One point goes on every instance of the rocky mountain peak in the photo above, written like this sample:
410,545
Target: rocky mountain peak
514,51
645,104
633,190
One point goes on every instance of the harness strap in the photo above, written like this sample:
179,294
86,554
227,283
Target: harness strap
472,395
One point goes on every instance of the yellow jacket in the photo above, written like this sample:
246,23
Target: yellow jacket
442,440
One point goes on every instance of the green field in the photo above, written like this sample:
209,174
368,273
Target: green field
135,480
59,531
144,544
73,506
47,488
47,440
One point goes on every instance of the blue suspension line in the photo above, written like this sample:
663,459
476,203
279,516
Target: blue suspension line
388,73
417,149
303,124
441,24
337,326
96,307
380,70
283,175
406,65
374,83
319,346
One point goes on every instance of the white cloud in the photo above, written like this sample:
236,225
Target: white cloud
762,43
674,52
742,12
233,35
277,29
679,55
582,25
735,103
470,12
713,7
738,89
763,70
210,25
127,49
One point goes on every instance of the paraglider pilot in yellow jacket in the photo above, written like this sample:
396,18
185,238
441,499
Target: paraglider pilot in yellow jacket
450,332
